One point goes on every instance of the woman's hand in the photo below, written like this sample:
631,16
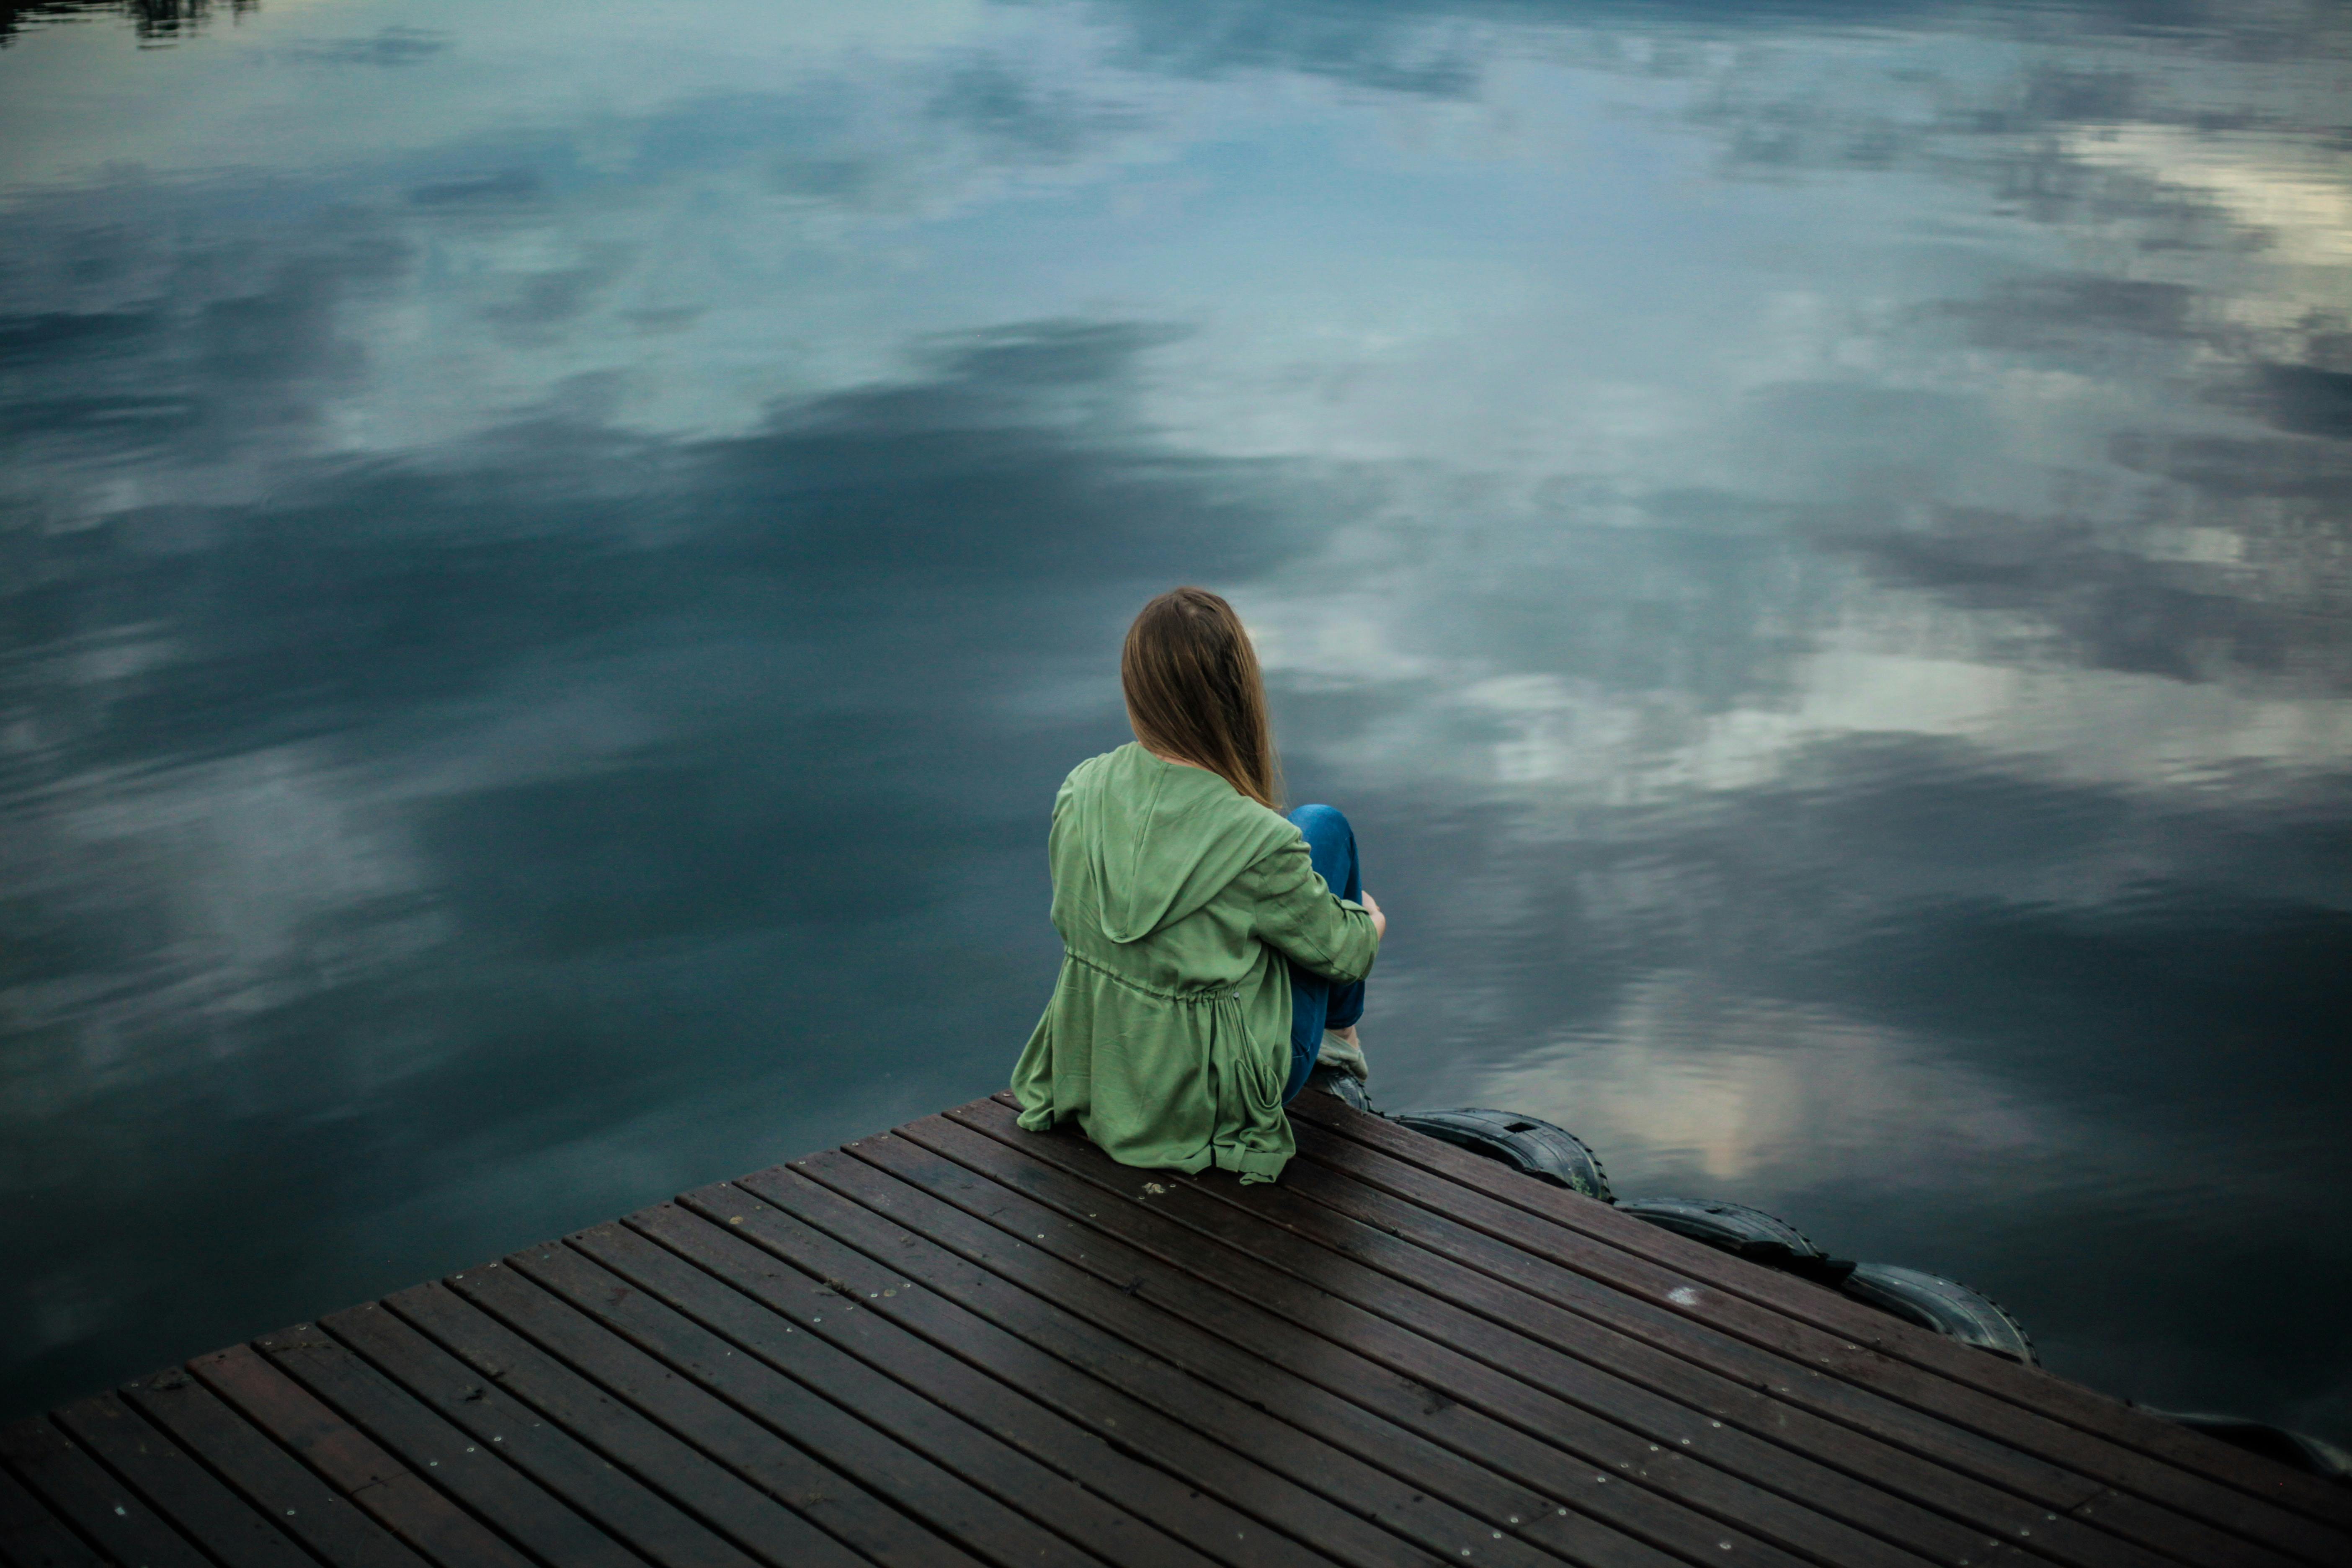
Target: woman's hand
1379,921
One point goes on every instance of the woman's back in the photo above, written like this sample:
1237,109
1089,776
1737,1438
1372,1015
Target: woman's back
1140,848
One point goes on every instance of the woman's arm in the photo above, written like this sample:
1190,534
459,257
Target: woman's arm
1298,915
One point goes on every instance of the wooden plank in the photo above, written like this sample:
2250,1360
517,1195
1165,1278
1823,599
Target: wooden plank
426,1443
1845,1340
1228,1293
567,1466
1262,1467
296,1501
395,1496
1355,1181
850,1466
1665,1399
33,1537
2189,1456
923,1339
78,1489
934,1430
742,1512
962,1344
1329,1178
177,1485
1278,1374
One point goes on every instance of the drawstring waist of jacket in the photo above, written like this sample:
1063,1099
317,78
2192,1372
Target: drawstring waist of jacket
1185,996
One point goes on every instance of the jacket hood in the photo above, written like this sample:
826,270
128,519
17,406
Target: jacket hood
1155,840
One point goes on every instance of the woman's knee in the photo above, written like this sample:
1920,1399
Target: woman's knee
1330,844
1323,822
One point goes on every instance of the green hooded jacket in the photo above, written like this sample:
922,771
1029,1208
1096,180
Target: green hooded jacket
1178,899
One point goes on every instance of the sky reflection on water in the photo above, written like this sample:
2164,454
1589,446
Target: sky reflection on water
552,563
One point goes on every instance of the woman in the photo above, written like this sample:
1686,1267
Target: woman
1207,963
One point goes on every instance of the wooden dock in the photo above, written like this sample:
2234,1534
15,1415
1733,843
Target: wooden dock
959,1343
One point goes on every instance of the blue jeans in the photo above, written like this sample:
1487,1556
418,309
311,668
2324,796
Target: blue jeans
1317,1004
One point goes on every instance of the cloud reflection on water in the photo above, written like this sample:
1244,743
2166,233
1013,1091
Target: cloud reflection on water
1815,555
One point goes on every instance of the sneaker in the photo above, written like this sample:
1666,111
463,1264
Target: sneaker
1344,1054
1339,1086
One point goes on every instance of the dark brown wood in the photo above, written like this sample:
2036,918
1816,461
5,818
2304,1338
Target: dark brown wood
1341,1175
2189,1456
1311,1465
1354,1181
429,1446
347,1460
936,1431
1780,1447
848,1467
963,1345
266,1475
78,1489
568,1468
1260,1299
929,1341
31,1536
178,1488
1355,1453
740,1518
1844,1340
1270,1502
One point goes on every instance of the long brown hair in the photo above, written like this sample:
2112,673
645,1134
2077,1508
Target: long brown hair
1193,691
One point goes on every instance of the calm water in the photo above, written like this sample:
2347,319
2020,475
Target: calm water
551,561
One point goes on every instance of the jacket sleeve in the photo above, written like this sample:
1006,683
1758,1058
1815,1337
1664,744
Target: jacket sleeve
1299,916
